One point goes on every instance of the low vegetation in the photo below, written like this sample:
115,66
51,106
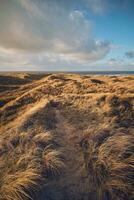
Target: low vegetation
109,162
27,160
66,136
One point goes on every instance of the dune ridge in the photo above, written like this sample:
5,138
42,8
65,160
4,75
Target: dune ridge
66,136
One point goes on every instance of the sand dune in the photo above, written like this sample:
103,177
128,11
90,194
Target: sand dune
66,137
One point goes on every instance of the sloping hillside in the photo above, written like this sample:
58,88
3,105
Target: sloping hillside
66,137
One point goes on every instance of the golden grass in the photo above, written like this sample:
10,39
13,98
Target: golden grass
110,164
27,160
45,138
20,185
52,161
100,108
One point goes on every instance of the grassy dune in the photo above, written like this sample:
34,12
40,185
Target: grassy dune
66,137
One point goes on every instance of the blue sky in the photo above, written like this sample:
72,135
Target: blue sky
66,35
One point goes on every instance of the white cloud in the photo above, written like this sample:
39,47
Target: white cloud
97,6
49,28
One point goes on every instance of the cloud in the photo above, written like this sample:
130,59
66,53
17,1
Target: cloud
12,60
130,54
55,29
115,62
97,6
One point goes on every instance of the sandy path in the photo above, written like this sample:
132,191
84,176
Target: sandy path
70,139
73,183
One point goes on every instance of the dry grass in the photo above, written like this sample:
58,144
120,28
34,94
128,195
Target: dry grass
100,110
26,161
109,159
20,185
52,161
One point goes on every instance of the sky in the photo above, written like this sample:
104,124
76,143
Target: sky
66,35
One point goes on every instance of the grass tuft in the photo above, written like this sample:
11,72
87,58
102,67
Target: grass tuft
110,166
